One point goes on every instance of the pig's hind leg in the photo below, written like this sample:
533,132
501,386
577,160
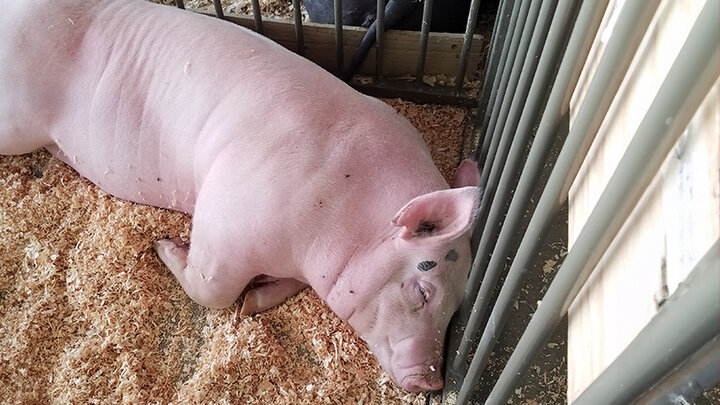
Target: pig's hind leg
269,293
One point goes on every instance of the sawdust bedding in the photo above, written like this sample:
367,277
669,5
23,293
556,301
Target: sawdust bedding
280,9
91,315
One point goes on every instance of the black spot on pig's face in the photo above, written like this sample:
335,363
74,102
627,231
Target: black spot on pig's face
426,265
452,256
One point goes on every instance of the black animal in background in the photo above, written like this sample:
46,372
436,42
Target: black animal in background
447,16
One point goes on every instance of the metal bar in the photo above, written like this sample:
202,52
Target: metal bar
695,69
500,28
337,4
532,40
512,83
297,16
218,9
505,85
502,63
179,4
682,326
698,373
467,42
518,82
578,47
379,35
512,32
502,19
618,54
551,53
424,33
257,16
534,22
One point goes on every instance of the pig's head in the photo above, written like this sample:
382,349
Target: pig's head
410,294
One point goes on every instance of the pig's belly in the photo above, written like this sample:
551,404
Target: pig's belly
144,180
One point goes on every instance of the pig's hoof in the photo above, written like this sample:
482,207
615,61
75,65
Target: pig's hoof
250,304
173,252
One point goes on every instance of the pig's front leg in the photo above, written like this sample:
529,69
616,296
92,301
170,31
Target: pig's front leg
269,293
222,257
203,281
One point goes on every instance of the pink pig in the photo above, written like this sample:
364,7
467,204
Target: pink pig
292,177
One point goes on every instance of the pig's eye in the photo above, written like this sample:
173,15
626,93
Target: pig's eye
417,294
423,292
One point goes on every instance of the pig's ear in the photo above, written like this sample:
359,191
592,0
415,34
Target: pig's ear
467,174
441,215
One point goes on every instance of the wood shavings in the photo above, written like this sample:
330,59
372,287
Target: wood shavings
442,129
281,9
89,314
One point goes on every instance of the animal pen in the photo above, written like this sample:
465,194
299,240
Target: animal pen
605,113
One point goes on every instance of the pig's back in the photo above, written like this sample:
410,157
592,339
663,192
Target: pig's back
157,93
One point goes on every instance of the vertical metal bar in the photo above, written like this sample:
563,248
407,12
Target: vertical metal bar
218,9
551,52
584,29
467,43
257,16
508,83
297,15
503,61
682,326
694,71
534,22
626,37
340,58
179,4
522,75
424,32
500,28
379,35
536,28
505,85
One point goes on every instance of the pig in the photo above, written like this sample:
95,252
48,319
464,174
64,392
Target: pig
446,16
292,178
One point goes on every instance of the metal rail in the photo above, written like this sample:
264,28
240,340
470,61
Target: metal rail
696,68
504,132
339,57
299,37
503,88
588,20
467,43
502,20
685,323
379,36
424,33
558,28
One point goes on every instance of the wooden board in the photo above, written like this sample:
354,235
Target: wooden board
401,47
671,227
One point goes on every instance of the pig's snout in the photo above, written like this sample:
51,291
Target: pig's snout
421,378
416,364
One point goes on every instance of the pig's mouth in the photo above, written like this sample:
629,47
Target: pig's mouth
420,378
409,373
424,381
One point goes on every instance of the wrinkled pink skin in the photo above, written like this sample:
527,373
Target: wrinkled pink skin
292,177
